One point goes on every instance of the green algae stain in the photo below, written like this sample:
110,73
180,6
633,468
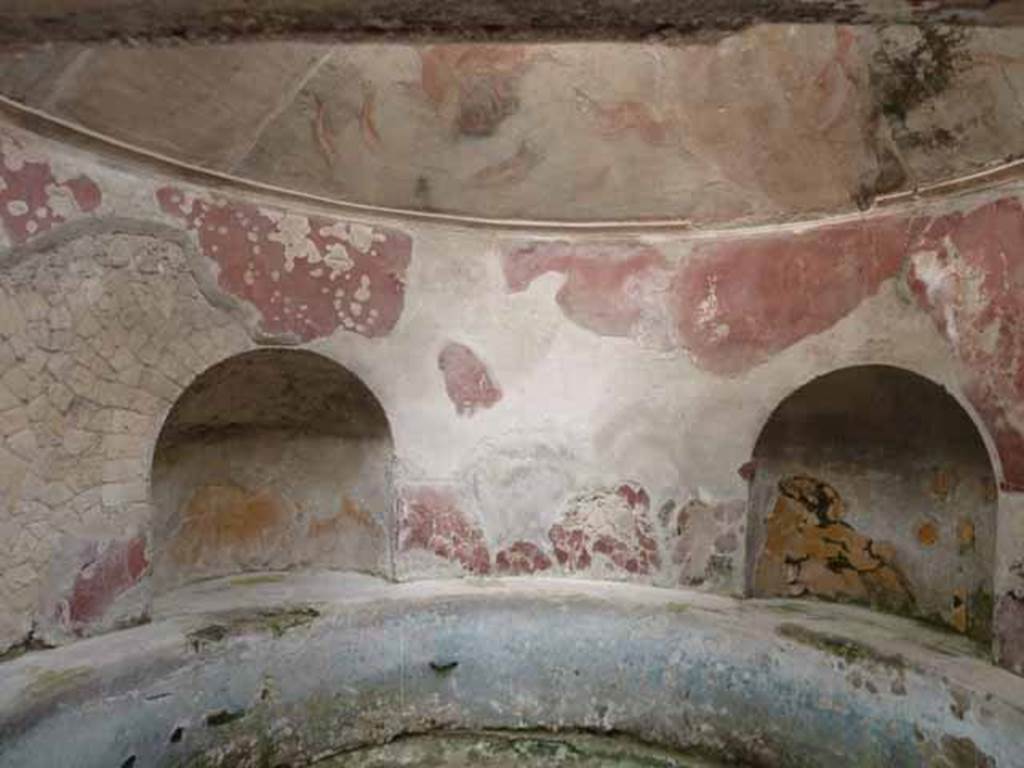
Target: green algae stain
50,682
845,648
276,621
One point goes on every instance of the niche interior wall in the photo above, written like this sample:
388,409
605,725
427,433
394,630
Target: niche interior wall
273,459
872,485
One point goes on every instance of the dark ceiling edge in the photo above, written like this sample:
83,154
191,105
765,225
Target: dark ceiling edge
122,156
40,21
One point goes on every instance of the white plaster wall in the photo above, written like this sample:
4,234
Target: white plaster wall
579,411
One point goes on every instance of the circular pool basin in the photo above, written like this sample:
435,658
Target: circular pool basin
296,670
524,750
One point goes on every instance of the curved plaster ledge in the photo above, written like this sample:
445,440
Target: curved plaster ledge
240,670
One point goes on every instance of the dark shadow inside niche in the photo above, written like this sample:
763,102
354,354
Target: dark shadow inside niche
873,486
273,459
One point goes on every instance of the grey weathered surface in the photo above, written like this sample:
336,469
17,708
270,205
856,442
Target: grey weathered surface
304,666
41,20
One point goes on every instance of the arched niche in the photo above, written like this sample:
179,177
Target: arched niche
272,459
873,486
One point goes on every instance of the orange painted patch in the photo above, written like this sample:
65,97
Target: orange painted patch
810,550
351,536
350,516
943,483
958,617
228,524
965,535
928,534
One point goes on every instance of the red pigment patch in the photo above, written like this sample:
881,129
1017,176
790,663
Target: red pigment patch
967,271
107,574
733,303
615,525
520,558
32,200
466,379
737,303
619,119
431,520
606,285
307,276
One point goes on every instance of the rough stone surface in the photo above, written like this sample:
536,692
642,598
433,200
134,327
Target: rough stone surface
384,19
94,353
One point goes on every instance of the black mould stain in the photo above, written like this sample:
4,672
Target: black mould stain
223,717
909,78
961,752
276,621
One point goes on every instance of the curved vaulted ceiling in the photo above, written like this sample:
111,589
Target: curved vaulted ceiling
767,123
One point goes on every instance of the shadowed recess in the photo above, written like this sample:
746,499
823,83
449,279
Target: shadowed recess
873,486
273,459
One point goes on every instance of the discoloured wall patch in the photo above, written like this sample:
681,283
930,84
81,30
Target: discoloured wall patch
467,380
810,549
707,540
110,569
33,199
733,302
928,533
352,521
474,86
431,519
306,275
1009,630
521,558
967,272
607,532
610,288
736,303
275,621
226,528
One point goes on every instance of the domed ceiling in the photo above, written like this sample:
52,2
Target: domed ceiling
771,122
